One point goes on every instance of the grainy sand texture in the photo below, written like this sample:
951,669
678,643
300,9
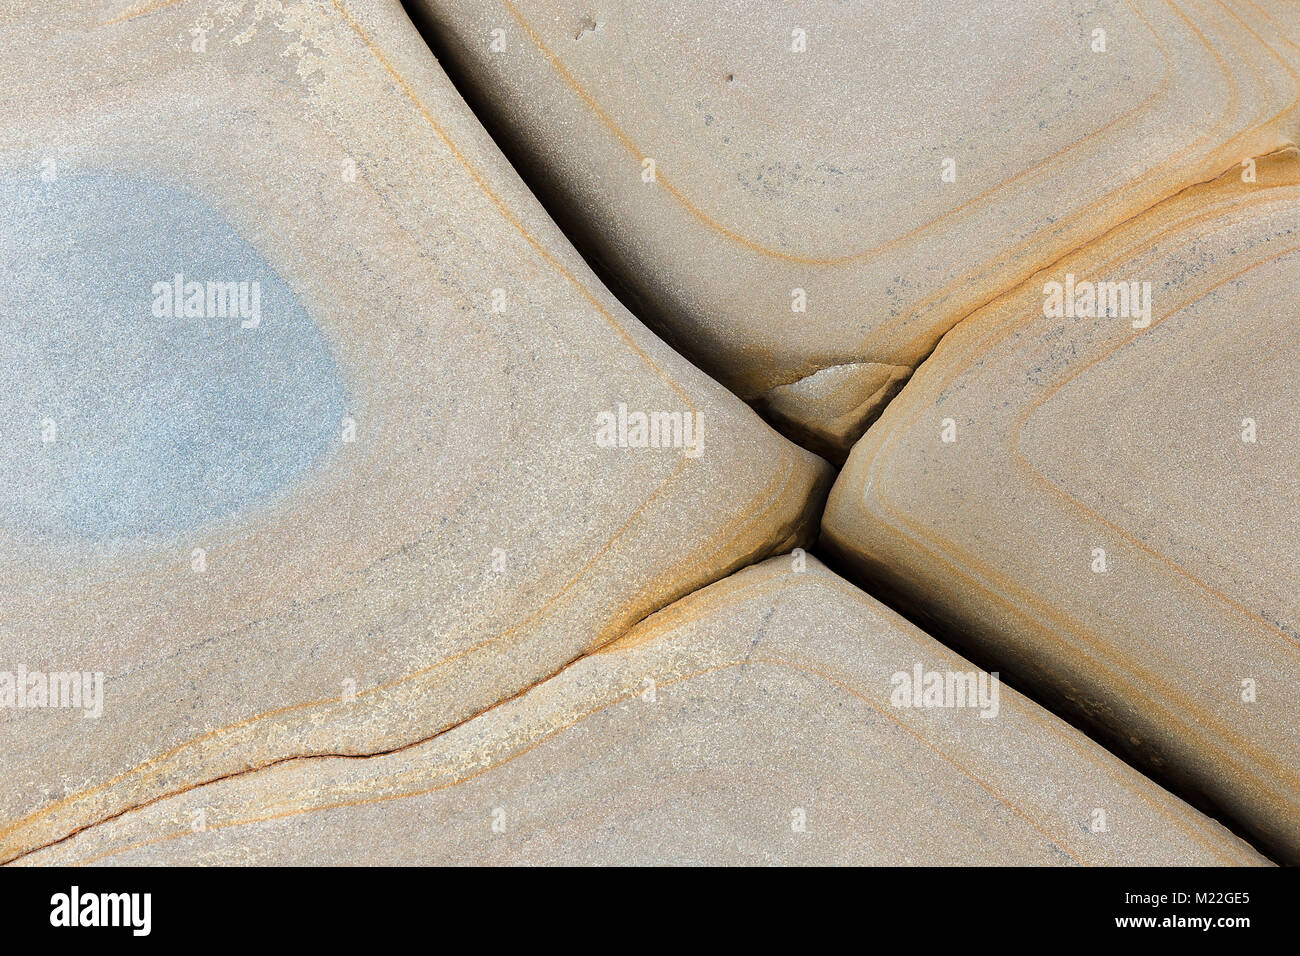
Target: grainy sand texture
541,431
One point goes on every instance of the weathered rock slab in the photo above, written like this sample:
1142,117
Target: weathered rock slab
791,187
389,472
758,720
1105,503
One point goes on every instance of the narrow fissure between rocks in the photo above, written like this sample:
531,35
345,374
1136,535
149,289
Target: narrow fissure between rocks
875,588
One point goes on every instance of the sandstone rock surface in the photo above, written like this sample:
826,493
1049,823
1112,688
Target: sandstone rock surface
1111,511
751,722
885,167
369,506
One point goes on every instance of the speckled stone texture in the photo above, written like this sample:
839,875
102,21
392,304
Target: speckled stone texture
802,146
751,722
1115,515
377,510
397,537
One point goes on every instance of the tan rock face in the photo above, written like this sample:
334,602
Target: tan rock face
1106,503
835,185
403,487
346,517
756,721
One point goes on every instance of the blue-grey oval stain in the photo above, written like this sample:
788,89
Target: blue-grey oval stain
160,425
